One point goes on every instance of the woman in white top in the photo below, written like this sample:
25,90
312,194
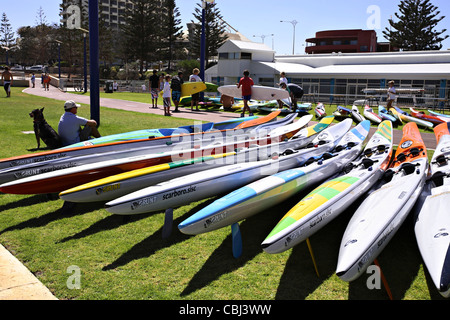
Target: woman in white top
196,96
391,94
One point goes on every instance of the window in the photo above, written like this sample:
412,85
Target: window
364,48
223,56
246,56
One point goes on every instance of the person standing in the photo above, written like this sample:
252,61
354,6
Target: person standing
46,82
196,96
33,80
177,82
391,94
166,95
246,83
154,89
7,78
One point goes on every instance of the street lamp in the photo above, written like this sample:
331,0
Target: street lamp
294,23
7,53
85,33
263,37
59,58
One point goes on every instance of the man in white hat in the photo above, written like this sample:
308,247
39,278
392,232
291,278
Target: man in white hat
69,127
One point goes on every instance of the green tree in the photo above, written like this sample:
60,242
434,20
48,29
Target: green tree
416,27
214,31
171,31
140,32
6,32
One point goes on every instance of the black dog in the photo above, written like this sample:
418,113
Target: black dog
44,131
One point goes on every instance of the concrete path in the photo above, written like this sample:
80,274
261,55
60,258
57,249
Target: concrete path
16,281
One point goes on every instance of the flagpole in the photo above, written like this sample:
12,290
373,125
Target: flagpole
203,46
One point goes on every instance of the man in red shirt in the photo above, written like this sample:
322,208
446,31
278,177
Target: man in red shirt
246,83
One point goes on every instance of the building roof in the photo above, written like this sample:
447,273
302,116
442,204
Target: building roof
248,46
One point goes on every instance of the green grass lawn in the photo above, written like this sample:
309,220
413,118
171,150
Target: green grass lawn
128,259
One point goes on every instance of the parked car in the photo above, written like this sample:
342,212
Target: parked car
36,69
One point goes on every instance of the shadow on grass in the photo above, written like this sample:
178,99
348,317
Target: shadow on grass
109,223
63,212
25,202
155,242
253,230
299,279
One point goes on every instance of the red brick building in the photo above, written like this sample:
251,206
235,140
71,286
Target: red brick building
345,41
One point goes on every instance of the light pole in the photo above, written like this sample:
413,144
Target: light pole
59,58
7,53
263,37
85,33
294,23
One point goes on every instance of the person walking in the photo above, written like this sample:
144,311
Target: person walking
7,79
246,83
391,95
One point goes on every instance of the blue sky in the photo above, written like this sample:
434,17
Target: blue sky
262,17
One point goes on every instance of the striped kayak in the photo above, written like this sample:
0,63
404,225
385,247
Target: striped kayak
130,181
122,184
432,224
382,213
441,115
145,134
404,117
65,178
385,115
214,182
284,127
334,196
421,115
372,116
272,190
37,158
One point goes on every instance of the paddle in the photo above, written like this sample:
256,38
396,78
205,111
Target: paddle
168,221
236,240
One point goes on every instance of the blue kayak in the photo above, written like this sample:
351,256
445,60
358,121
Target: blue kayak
164,132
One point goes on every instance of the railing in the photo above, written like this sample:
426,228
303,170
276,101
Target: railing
435,97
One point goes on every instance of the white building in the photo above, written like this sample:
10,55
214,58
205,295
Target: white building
325,77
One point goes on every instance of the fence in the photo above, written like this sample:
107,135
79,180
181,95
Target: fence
433,97
430,97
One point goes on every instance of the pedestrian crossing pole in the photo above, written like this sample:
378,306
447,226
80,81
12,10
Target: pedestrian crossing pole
94,61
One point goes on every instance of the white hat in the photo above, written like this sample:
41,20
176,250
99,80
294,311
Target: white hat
71,104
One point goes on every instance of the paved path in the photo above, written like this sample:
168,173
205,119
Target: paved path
16,281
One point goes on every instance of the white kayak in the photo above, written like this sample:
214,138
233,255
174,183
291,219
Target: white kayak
432,225
334,196
214,182
382,213
66,178
372,116
356,115
272,190
320,111
115,186
403,116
